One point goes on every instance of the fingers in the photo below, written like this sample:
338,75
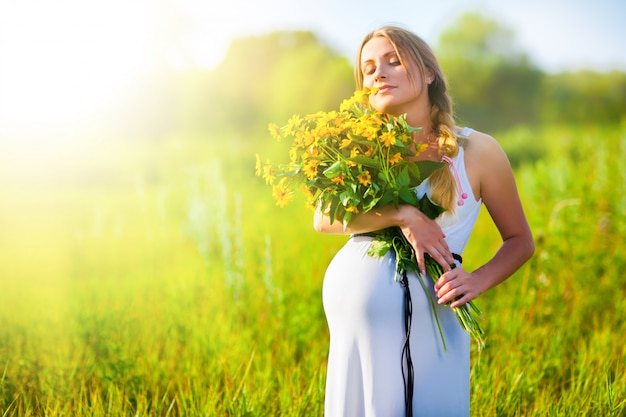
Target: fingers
419,255
443,258
455,289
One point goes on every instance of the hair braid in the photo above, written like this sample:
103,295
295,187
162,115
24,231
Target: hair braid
442,181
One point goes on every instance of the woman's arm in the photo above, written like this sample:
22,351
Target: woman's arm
423,233
499,193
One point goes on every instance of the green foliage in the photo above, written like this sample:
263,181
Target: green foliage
159,279
178,288
584,97
271,77
495,87
491,80
267,78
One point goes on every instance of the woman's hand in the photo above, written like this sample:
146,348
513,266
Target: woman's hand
424,235
458,287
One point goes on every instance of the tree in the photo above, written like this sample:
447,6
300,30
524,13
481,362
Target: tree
492,82
584,97
267,78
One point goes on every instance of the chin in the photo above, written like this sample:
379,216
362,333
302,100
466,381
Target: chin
387,108
384,105
381,105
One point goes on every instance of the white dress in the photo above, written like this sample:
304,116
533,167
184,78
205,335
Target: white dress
363,302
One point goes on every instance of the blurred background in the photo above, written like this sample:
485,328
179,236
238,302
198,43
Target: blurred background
79,79
101,95
131,222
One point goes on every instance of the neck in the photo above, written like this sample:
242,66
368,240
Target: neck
426,136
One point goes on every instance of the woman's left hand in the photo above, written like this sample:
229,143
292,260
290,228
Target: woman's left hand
457,287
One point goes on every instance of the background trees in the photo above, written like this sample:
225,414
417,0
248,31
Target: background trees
493,83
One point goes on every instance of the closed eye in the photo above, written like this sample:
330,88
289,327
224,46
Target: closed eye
368,69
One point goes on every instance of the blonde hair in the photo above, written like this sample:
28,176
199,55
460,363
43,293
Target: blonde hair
411,47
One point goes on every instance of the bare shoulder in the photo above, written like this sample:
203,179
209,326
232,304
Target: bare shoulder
484,155
480,145
487,165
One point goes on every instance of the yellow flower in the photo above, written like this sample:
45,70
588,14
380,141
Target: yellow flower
352,209
310,168
359,98
282,194
345,143
274,131
353,152
306,139
365,178
321,132
312,117
293,124
326,118
334,131
395,158
419,148
388,139
294,154
406,138
338,179
268,174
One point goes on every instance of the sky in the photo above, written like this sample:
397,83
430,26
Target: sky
67,60
559,35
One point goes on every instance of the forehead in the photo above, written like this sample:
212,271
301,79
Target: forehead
376,47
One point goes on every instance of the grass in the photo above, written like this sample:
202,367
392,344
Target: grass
166,283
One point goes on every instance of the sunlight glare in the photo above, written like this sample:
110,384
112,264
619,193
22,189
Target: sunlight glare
64,62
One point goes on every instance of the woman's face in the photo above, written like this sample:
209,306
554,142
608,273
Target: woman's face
381,68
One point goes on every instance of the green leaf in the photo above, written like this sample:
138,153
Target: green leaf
429,207
370,204
414,172
346,219
372,189
334,170
399,144
428,167
408,196
379,248
346,197
368,162
332,211
388,197
403,179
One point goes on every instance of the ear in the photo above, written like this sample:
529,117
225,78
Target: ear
429,76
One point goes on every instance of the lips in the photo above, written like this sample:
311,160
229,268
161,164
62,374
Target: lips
383,89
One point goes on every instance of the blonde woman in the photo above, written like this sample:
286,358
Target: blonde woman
362,297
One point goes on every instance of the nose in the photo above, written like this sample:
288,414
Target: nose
379,74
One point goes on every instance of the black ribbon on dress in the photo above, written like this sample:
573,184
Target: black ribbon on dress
406,361
407,371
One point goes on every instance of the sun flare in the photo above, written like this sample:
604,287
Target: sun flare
64,62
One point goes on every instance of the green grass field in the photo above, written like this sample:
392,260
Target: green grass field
159,279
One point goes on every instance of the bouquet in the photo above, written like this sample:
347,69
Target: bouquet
354,160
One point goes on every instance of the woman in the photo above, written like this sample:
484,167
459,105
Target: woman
363,299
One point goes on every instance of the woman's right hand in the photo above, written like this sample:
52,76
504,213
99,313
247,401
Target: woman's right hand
425,235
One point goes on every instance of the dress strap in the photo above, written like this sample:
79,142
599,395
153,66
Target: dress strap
466,131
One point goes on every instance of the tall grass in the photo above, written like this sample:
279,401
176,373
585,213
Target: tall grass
177,288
